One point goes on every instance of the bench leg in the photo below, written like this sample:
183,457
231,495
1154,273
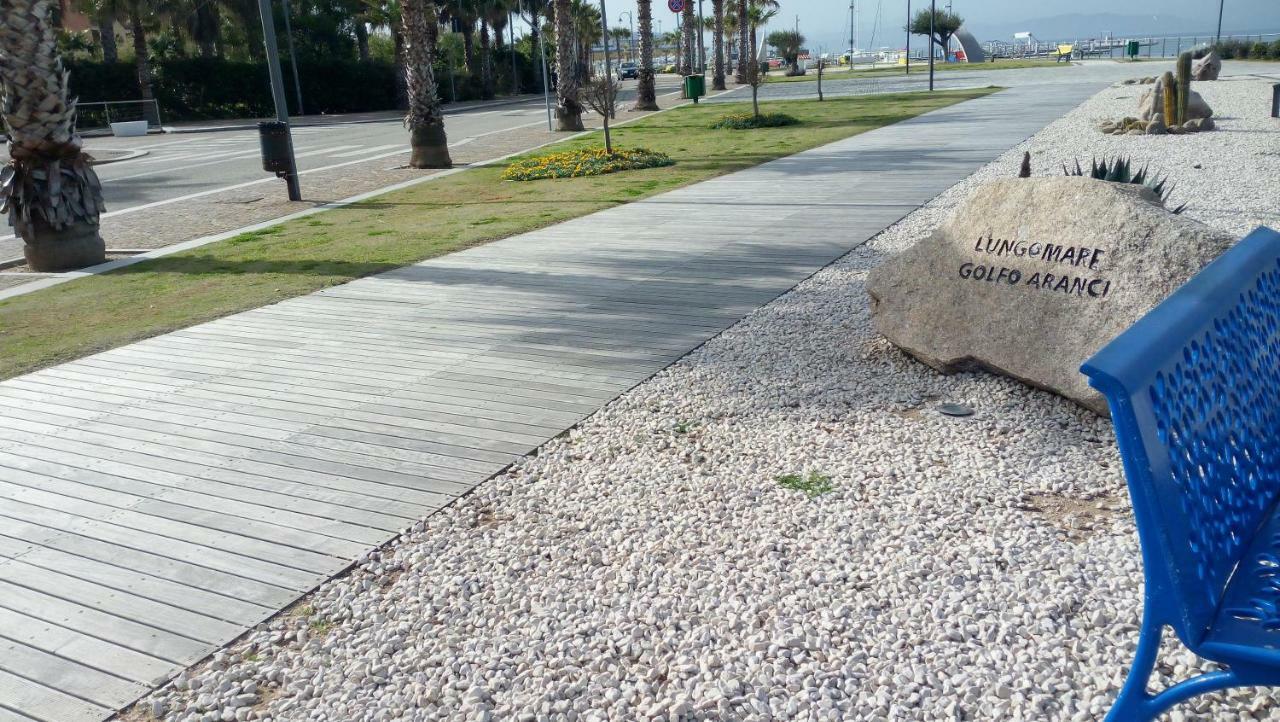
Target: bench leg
1132,703
1135,704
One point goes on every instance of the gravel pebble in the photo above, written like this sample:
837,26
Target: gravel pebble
648,565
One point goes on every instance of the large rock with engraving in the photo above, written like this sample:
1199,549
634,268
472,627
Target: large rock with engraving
1031,276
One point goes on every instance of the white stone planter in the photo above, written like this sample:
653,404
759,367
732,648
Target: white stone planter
129,129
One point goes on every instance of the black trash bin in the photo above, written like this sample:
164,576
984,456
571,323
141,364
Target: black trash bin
276,150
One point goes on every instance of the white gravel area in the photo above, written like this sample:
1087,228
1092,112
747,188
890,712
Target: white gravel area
648,565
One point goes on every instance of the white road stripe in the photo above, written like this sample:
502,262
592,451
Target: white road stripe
364,151
324,151
225,157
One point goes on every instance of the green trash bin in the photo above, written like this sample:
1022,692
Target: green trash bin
695,86
1132,48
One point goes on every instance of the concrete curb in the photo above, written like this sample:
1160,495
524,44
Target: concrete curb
130,155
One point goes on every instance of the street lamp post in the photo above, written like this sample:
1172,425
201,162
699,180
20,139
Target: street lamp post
632,20
908,37
277,93
933,12
293,57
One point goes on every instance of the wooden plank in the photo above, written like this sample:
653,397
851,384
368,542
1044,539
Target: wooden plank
87,683
294,557
180,461
120,604
124,632
123,579
77,496
156,565
82,648
43,703
171,498
280,580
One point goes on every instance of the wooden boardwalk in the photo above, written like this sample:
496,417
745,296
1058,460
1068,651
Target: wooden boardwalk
158,500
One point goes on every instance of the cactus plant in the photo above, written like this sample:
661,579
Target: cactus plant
1170,92
1120,170
1184,85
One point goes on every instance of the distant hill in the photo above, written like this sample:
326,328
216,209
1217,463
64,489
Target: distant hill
1079,25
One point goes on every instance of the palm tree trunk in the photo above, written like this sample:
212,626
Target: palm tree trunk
107,36
51,193
486,62
362,41
687,27
468,45
568,106
402,86
140,60
717,12
425,122
744,47
535,46
646,93
206,29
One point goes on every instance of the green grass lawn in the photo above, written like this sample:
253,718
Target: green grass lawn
922,66
434,218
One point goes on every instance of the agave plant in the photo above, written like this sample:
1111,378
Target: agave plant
1120,170
48,188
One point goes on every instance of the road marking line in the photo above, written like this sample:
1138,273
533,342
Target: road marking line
225,157
375,149
323,151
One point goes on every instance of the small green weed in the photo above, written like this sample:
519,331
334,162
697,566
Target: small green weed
815,484
680,428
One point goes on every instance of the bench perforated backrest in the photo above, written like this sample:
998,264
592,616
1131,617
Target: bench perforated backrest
1194,388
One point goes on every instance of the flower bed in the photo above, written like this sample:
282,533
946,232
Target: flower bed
747,121
578,163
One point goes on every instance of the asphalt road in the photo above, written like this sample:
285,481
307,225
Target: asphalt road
182,165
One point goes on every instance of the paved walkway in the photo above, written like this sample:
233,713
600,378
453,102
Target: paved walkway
159,499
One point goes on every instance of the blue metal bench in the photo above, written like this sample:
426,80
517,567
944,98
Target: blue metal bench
1194,391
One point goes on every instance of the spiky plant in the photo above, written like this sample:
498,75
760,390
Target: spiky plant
1120,170
48,188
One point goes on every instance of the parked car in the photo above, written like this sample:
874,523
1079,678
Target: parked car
628,71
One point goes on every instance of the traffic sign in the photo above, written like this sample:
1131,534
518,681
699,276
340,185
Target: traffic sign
675,5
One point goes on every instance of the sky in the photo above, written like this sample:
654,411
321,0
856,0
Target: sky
825,23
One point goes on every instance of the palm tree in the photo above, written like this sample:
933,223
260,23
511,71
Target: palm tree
425,122
48,188
103,13
730,32
646,93
568,107
760,13
138,12
688,28
535,10
618,35
586,31
717,13
744,42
